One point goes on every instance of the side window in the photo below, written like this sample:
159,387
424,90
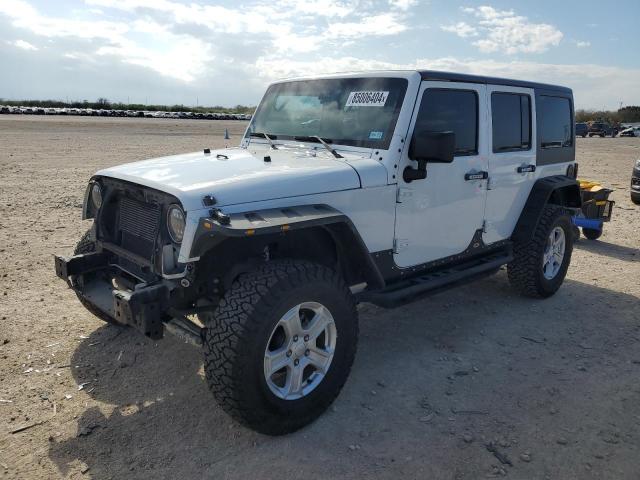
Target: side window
511,121
555,122
445,110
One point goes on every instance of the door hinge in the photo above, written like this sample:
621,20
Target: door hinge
402,194
490,184
400,244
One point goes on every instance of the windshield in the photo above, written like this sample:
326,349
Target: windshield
360,112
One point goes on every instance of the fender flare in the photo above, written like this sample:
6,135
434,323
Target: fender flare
555,190
280,221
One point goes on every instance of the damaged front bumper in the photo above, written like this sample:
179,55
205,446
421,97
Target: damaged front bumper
144,306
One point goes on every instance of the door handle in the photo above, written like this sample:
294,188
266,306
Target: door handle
527,169
476,176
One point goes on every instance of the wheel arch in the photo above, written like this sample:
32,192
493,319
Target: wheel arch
557,190
317,233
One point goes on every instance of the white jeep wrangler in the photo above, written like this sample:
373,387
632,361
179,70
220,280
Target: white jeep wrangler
379,187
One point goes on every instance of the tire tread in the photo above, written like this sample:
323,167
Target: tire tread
237,316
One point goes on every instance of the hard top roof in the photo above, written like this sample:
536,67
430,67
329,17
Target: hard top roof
463,77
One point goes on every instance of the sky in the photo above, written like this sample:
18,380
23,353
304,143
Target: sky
226,53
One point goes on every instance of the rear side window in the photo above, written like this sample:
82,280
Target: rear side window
511,121
556,122
444,110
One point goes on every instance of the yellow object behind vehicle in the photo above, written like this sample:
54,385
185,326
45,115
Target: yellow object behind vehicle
590,186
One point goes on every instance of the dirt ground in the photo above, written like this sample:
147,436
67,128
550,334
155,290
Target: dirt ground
553,384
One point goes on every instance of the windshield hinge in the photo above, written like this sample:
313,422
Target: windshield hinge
400,244
402,194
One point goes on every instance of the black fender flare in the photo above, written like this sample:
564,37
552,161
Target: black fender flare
555,190
281,221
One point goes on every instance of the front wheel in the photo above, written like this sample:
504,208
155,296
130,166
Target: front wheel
280,345
635,198
540,264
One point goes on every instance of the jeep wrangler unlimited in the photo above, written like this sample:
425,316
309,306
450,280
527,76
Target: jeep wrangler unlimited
378,187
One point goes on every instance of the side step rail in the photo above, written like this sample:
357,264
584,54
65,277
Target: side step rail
415,288
185,330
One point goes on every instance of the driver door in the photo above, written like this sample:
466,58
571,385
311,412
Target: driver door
437,217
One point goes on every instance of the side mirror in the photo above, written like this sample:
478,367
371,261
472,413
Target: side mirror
427,146
437,147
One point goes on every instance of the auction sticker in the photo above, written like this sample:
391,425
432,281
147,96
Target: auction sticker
367,99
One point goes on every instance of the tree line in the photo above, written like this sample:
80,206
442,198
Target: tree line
105,104
629,114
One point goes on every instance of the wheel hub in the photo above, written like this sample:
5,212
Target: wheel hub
300,350
554,253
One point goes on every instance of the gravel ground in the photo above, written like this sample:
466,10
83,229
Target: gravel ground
550,386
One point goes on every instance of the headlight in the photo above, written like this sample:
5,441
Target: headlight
96,195
175,223
638,163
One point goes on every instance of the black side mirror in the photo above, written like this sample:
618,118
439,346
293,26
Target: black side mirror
427,146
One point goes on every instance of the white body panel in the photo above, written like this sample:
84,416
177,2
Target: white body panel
438,216
369,209
242,177
509,189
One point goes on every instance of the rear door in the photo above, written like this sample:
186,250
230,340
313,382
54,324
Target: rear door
512,158
437,217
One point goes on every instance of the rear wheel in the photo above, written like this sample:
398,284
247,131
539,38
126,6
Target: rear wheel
280,345
635,198
540,264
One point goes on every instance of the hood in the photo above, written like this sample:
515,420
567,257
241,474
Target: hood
237,175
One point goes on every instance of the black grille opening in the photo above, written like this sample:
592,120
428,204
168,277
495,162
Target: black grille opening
138,225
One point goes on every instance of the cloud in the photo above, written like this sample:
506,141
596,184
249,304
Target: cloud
171,52
462,29
503,31
23,45
377,25
582,44
177,56
585,80
403,4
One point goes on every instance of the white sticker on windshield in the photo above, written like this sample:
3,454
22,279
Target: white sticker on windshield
375,135
367,99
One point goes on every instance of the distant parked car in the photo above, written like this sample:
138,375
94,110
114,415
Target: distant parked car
582,129
601,129
635,183
630,132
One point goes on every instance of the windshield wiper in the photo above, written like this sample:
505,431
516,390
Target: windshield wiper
315,138
264,135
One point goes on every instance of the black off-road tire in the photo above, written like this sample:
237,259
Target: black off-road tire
525,272
87,245
236,336
591,233
635,198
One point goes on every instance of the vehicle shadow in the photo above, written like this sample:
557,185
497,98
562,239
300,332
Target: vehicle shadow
621,252
479,349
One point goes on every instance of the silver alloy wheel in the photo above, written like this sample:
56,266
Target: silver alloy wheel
300,350
553,253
